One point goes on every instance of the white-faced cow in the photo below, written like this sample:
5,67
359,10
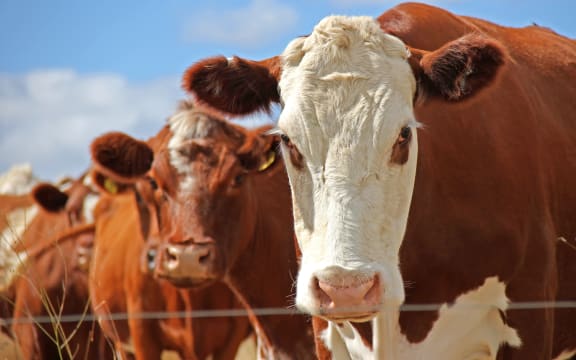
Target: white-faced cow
467,214
223,203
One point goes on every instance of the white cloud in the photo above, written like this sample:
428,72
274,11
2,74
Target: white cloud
258,24
48,118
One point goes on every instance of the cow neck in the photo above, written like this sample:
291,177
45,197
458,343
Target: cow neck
263,277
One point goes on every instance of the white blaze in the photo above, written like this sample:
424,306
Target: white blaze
185,126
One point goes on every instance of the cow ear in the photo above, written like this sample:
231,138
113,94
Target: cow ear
261,150
120,157
459,69
49,197
234,86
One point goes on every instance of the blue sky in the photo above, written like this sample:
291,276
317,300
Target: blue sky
72,70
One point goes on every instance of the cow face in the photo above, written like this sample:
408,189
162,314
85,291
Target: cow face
349,136
208,212
202,189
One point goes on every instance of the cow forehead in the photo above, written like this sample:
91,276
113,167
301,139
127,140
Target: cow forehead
194,126
347,64
347,71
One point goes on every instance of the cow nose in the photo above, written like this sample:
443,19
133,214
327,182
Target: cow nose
348,293
187,263
192,255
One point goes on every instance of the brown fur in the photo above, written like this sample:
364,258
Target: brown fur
200,78
246,214
111,160
55,277
121,282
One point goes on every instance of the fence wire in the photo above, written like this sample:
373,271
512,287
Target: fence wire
161,315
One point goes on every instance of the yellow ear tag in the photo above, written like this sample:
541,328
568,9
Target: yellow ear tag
269,161
110,186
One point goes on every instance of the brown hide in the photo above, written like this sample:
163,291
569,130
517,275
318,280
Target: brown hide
121,283
53,282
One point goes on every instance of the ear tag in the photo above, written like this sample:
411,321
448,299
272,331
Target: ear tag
269,161
110,186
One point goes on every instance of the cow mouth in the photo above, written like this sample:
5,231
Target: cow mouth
339,315
358,318
186,282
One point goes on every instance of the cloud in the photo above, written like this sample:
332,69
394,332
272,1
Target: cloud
49,117
258,24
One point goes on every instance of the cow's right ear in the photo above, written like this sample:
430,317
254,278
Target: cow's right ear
49,197
459,69
234,86
119,161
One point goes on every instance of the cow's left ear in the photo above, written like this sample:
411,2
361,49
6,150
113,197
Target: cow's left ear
49,197
459,69
260,151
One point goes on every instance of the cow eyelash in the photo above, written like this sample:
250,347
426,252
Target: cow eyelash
285,139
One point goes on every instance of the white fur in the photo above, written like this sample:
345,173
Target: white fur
344,342
347,91
470,329
18,180
10,261
90,200
184,128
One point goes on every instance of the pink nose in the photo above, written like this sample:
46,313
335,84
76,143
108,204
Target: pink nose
349,295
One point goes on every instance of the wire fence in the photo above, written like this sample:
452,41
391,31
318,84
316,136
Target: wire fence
160,315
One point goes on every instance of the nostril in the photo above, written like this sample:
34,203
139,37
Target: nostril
321,295
204,258
171,254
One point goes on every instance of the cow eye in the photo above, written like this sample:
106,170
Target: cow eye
405,135
239,180
285,139
153,183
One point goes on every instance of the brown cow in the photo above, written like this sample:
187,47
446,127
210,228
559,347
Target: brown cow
121,282
52,281
469,214
225,214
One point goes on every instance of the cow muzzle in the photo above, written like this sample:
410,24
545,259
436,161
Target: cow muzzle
187,265
347,295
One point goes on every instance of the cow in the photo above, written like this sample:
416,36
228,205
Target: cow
431,160
122,281
224,212
51,281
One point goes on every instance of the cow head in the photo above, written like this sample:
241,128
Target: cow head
75,197
76,200
202,173
349,140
